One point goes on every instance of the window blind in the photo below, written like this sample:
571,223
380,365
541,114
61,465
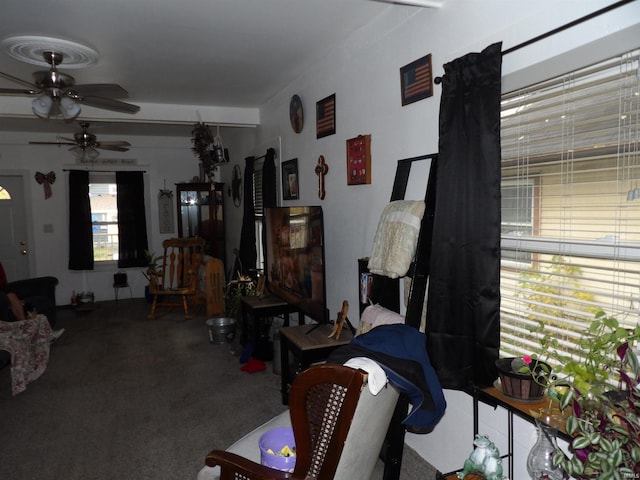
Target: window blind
570,204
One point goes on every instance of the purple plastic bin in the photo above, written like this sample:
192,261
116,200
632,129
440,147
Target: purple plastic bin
276,440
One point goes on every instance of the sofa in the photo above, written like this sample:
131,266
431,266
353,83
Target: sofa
38,292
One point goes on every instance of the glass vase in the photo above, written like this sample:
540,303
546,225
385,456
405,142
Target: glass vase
539,462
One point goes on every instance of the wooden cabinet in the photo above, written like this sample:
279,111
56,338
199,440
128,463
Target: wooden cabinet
201,214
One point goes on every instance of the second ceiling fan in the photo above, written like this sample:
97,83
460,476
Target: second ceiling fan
85,144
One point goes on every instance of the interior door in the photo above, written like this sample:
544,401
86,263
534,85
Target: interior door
14,251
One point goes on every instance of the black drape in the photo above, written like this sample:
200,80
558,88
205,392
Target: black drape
463,327
132,223
247,253
269,187
80,233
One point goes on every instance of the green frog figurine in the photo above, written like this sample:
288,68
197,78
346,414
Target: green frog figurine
484,460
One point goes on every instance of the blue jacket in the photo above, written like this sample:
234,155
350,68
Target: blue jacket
401,352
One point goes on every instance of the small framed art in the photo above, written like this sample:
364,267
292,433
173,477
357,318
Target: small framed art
416,81
326,116
290,179
359,160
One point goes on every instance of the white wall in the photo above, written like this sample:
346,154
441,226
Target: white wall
364,75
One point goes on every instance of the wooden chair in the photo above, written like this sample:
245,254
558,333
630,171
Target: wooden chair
212,286
339,428
175,283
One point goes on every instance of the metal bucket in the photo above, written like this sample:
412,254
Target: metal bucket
221,330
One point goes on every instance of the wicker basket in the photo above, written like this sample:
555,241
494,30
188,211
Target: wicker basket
519,385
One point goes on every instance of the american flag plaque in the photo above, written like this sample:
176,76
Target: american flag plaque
416,80
326,116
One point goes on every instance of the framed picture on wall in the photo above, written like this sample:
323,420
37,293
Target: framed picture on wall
290,180
416,80
326,116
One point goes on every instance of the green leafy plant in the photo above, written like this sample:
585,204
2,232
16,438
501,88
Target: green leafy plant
596,365
605,427
241,286
152,264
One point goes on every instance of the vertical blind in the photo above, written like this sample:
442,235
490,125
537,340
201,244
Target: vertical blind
570,204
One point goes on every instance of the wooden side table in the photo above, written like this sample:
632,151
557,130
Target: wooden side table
308,344
259,307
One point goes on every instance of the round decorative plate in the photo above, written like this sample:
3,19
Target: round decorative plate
296,114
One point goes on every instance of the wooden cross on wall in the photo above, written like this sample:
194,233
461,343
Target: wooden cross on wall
321,170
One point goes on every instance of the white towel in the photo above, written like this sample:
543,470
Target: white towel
377,379
394,244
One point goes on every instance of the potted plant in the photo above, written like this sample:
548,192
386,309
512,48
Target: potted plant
597,367
602,393
605,427
241,286
152,269
523,378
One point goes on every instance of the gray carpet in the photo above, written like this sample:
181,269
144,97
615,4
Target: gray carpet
125,397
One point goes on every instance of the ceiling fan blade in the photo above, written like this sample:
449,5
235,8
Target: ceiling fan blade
51,143
110,104
109,90
19,80
17,91
114,143
114,148
72,140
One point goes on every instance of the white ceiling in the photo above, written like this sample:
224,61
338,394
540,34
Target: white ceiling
222,53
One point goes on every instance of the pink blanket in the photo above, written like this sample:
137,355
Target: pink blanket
28,343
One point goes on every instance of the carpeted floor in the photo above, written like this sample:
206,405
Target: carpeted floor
125,397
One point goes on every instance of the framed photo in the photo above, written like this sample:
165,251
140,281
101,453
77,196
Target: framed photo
290,180
326,116
416,80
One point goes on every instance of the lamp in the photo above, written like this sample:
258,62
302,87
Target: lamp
46,106
69,108
85,154
41,106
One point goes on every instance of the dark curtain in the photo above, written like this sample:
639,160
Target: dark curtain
132,224
80,233
463,327
247,253
269,186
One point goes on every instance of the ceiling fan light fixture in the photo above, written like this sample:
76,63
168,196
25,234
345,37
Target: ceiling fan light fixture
69,108
41,105
84,154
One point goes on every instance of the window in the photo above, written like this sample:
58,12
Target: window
104,217
517,216
4,193
570,204
259,213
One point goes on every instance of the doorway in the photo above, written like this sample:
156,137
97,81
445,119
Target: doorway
14,245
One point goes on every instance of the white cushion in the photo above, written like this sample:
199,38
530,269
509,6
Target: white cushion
362,446
247,446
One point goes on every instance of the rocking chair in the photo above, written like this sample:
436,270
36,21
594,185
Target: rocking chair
338,424
175,284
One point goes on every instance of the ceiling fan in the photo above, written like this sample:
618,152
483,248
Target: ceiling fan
85,144
57,94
